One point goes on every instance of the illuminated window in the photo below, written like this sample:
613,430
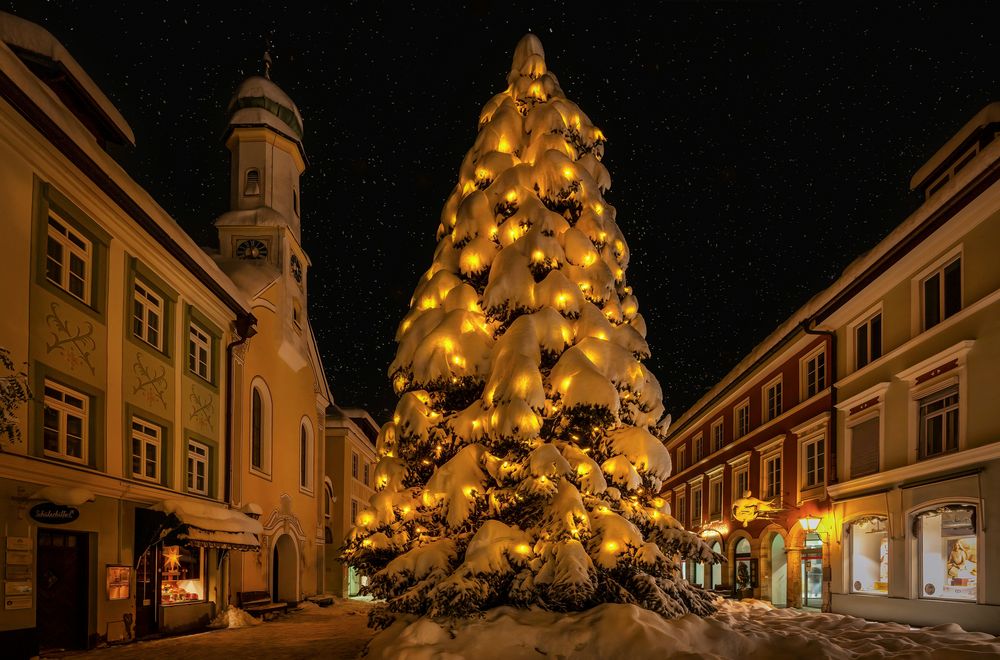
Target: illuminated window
147,314
68,258
181,578
146,442
949,552
941,293
771,399
869,555
197,468
64,424
741,419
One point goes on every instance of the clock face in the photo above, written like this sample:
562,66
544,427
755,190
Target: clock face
251,249
296,269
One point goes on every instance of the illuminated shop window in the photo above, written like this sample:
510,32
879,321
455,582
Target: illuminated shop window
869,539
182,580
949,552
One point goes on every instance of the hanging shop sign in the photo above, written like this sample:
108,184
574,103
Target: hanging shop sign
748,508
54,514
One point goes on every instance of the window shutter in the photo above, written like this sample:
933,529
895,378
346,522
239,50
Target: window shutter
864,448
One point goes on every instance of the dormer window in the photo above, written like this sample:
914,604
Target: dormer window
252,187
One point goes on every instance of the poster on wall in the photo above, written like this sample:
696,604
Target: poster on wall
119,580
960,567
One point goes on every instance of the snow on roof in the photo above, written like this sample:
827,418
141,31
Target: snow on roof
64,496
259,101
988,115
209,516
251,276
27,36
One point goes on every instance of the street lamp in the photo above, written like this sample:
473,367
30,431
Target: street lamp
810,523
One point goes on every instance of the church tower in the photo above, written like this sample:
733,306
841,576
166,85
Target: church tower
260,240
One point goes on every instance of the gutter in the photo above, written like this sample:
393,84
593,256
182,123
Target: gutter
245,329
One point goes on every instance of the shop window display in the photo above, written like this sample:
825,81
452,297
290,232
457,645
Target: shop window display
870,556
948,552
182,580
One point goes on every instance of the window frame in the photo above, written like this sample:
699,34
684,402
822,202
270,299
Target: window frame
936,267
307,453
698,447
741,407
64,410
143,301
151,434
949,388
739,465
682,457
69,247
851,538
354,464
716,478
266,428
916,553
942,293
772,451
682,508
697,502
193,458
204,342
804,385
717,433
765,394
865,321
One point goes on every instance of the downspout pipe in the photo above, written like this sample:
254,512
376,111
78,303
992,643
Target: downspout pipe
245,328
832,334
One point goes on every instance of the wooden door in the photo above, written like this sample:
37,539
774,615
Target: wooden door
62,590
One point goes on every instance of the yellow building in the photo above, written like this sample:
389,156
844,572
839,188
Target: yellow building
169,456
350,476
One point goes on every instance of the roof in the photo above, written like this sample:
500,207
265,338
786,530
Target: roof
258,101
356,417
988,115
52,63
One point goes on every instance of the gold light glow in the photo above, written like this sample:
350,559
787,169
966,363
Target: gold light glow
589,259
503,145
611,546
522,548
469,491
482,173
367,543
599,208
511,195
564,385
537,255
568,172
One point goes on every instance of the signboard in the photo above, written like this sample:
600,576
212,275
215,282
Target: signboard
53,514
17,603
19,543
119,582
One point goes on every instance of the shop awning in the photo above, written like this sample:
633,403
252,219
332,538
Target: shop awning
211,525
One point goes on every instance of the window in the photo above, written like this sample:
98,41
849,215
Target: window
197,468
146,442
354,465
147,315
366,473
260,427
868,340
772,399
682,510
741,481
199,352
741,419
938,415
696,507
941,293
68,259
252,186
865,447
715,498
297,314
813,374
869,554
681,458
949,552
354,512
181,578
305,455
64,427
770,468
813,461
717,437
328,500
699,448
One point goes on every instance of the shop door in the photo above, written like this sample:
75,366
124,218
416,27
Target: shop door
812,572
147,592
62,590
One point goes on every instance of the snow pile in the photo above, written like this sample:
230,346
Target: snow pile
234,617
739,630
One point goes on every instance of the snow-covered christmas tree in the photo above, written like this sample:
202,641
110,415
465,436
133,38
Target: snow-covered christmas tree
524,460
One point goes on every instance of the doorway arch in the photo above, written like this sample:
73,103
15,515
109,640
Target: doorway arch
284,570
779,572
716,568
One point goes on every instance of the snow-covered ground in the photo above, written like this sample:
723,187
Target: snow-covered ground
749,630
746,630
338,631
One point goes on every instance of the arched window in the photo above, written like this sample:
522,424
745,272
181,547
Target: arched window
328,501
305,455
949,551
251,187
260,427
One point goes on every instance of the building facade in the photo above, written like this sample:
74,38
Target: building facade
351,434
750,462
169,455
918,434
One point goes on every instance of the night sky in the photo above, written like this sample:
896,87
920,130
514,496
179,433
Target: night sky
754,149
